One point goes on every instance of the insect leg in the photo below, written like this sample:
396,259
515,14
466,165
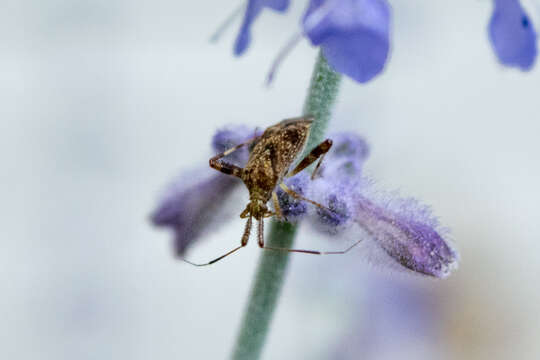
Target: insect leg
297,196
216,259
260,233
277,208
313,252
225,167
317,153
245,239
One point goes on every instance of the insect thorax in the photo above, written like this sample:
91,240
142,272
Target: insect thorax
272,156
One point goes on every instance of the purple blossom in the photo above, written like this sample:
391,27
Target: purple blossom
512,35
407,232
337,196
346,157
403,228
353,34
400,318
190,204
253,9
293,210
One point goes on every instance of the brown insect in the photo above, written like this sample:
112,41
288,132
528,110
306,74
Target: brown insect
270,159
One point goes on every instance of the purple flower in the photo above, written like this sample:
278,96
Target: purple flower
353,34
337,196
254,8
346,157
400,318
406,231
191,204
293,210
512,35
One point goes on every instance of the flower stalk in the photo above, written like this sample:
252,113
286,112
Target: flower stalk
272,266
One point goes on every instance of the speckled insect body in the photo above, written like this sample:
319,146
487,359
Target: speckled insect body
271,157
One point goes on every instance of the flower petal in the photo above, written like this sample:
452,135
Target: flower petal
337,195
254,8
512,35
346,157
353,34
190,205
293,210
407,232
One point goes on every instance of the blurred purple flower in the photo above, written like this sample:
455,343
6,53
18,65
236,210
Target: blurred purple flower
349,152
338,196
399,319
191,202
407,232
403,228
253,9
353,34
512,35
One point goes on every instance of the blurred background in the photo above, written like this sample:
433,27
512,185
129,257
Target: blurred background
103,102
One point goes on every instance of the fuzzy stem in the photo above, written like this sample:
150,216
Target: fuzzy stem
272,264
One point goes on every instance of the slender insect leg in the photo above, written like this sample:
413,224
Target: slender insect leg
297,196
277,208
317,153
313,252
260,233
245,239
225,167
216,259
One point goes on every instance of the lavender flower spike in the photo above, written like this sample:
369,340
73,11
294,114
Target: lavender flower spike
353,34
402,228
191,204
512,35
254,8
406,231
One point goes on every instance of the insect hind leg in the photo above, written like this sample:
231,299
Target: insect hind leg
313,252
245,239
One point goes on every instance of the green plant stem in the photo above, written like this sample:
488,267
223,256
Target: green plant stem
272,264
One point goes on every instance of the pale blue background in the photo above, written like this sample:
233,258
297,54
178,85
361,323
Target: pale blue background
103,101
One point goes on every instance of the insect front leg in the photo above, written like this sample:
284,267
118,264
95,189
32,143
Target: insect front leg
317,153
225,167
